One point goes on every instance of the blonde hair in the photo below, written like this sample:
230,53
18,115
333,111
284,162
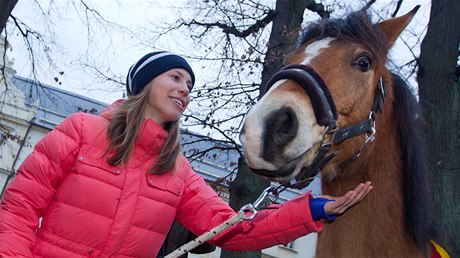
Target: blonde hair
124,127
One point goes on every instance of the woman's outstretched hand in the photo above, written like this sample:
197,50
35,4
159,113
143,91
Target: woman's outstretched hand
342,203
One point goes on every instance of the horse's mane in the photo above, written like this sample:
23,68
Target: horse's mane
409,121
356,27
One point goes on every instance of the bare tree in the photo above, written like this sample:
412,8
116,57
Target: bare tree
39,38
438,78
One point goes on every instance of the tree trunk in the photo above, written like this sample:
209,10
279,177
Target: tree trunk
439,91
5,10
283,37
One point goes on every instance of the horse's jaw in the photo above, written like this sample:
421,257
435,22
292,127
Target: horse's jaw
291,169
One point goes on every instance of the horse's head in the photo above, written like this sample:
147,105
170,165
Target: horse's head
322,105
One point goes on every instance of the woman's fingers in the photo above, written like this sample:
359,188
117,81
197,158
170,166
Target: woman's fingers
362,193
358,195
342,203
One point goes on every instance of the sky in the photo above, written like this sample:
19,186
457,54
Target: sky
109,48
113,50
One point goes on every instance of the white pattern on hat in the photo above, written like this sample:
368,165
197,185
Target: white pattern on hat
146,62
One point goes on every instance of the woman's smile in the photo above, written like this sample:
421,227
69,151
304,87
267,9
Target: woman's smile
179,102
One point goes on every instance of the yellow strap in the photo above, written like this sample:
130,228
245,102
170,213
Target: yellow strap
440,250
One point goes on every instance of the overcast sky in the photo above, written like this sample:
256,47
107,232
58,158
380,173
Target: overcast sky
114,51
110,47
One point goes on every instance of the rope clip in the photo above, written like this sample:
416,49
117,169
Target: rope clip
268,196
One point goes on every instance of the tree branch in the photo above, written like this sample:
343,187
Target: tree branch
233,30
398,6
319,9
368,5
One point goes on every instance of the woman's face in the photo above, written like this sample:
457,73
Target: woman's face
168,96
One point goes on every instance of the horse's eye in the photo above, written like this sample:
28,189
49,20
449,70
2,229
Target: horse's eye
364,63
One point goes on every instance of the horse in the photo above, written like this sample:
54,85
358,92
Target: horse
336,109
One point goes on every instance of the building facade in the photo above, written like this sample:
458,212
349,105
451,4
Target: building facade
29,110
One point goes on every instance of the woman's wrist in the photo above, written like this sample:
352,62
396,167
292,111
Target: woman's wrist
317,209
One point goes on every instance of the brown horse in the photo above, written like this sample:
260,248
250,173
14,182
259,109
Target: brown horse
336,109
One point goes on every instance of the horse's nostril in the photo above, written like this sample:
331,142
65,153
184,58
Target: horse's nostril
281,128
284,125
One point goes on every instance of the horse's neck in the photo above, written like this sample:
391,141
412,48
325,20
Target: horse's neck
380,163
382,166
374,226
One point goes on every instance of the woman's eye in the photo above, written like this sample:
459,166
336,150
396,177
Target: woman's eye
364,63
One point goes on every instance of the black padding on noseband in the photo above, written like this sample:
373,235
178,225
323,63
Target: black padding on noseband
314,86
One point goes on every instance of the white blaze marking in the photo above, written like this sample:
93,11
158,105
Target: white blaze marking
314,49
255,120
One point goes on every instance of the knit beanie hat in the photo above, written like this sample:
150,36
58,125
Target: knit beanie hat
152,65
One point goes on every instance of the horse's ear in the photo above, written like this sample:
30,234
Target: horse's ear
393,27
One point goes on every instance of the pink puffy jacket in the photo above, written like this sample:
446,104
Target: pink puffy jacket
91,209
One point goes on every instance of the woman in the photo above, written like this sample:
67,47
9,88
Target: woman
111,185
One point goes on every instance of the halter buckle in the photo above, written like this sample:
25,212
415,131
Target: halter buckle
370,137
329,130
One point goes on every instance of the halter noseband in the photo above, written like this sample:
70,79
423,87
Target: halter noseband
326,115
322,102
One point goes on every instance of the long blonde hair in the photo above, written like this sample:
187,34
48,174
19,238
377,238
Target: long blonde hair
124,127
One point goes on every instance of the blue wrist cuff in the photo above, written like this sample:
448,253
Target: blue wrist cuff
317,209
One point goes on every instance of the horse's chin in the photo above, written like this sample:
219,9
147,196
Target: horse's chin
286,172
275,175
297,173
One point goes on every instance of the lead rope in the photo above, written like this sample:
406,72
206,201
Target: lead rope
264,200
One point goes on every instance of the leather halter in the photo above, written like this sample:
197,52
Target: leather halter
326,115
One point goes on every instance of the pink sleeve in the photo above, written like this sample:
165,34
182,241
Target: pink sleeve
274,225
30,192
202,209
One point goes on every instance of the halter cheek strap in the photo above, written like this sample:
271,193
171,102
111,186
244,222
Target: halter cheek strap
366,126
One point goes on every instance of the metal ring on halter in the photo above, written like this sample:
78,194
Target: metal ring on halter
370,136
328,131
382,87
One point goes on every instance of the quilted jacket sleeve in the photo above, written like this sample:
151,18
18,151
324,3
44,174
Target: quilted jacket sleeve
28,195
202,209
